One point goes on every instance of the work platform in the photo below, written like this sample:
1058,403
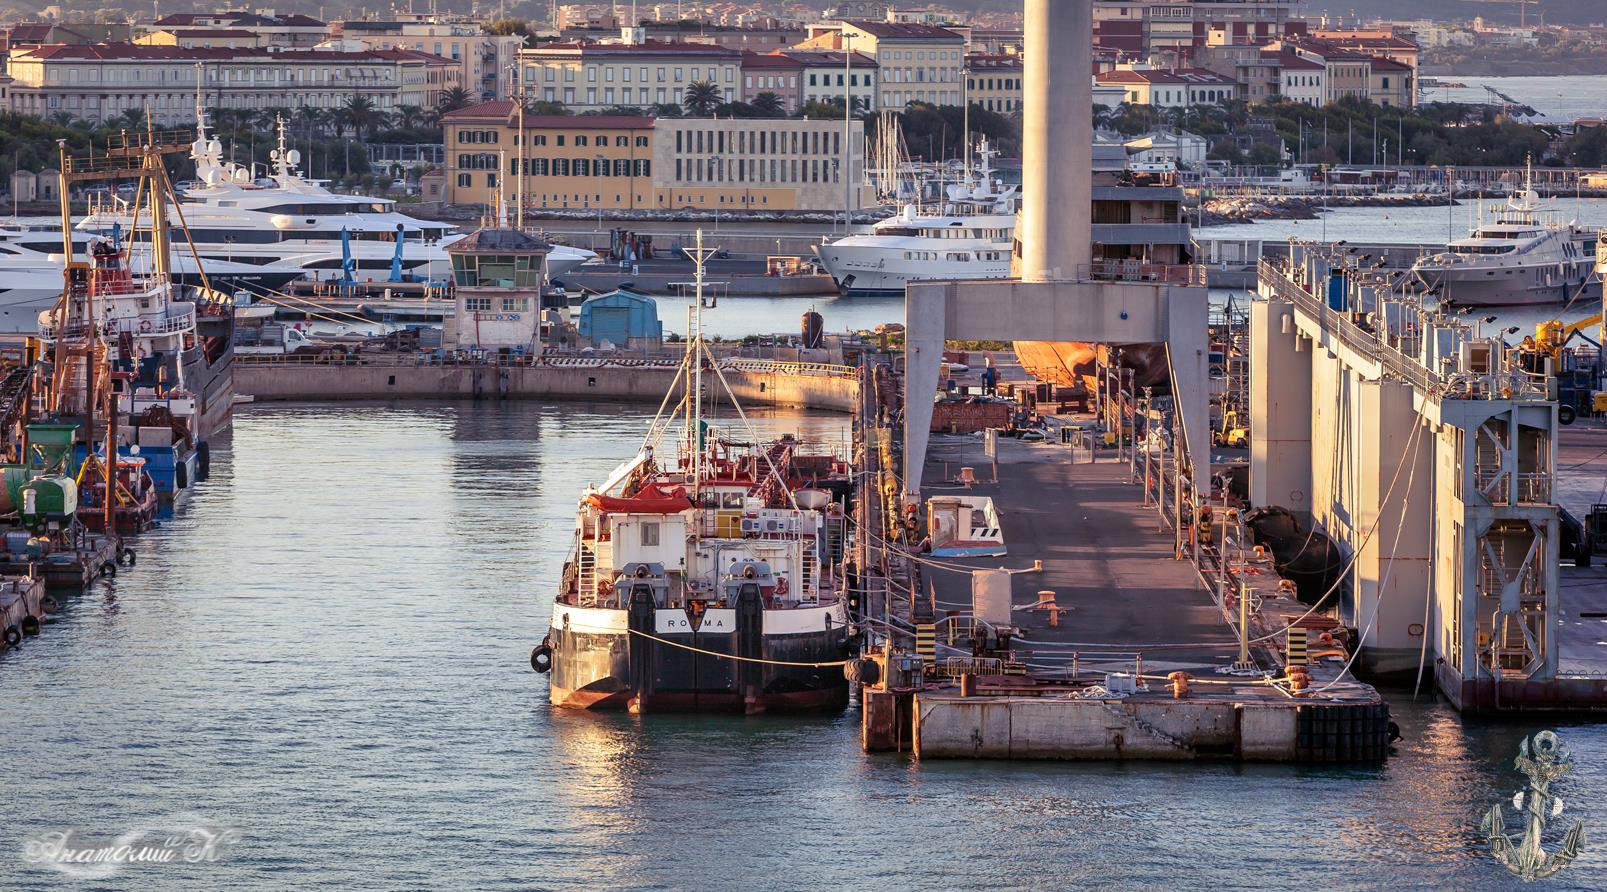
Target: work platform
1090,672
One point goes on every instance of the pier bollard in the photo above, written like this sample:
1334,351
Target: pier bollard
1180,685
967,685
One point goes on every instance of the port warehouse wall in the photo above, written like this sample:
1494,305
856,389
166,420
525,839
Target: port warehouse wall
772,384
1335,431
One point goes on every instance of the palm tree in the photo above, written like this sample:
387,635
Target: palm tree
768,105
130,119
408,116
454,99
701,97
363,114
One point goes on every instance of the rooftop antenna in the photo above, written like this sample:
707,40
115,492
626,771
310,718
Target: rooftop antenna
694,371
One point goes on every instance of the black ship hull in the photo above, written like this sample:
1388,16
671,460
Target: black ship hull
666,662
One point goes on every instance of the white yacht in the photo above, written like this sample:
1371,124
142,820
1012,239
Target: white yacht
1527,255
289,220
31,264
966,237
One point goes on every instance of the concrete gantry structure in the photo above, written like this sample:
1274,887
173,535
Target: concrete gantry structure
1430,460
1056,299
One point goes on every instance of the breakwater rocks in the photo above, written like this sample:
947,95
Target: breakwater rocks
1246,209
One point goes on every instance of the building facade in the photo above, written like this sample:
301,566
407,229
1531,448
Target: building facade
97,83
486,60
827,77
994,82
596,76
914,63
772,73
619,162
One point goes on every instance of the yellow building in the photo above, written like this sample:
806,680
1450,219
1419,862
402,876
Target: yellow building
581,161
994,82
637,163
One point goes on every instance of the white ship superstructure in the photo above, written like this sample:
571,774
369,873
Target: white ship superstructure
1526,255
287,219
966,237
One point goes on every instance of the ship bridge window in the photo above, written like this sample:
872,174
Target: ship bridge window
1483,249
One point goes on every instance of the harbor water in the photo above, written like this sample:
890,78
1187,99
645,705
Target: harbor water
325,650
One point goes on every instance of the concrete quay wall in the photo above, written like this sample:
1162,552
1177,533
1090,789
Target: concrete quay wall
276,382
947,726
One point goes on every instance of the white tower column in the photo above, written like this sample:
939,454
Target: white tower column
1053,233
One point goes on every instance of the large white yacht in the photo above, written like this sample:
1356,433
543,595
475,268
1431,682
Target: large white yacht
286,219
966,237
31,277
1526,255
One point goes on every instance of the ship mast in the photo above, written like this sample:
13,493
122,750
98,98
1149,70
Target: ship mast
694,368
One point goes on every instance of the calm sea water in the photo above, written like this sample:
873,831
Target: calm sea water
1559,98
326,650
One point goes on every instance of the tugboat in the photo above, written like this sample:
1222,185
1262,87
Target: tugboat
705,581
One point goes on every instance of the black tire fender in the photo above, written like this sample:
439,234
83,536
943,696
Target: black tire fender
541,659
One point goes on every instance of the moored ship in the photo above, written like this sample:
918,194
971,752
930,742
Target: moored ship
705,581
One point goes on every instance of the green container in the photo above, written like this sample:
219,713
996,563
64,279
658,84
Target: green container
50,447
48,500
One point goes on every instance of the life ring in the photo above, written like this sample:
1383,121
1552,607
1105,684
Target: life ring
30,625
781,586
541,658
145,326
108,568
13,637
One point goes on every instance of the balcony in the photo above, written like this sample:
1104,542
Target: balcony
1183,274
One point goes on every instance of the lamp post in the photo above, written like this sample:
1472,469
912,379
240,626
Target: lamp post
848,131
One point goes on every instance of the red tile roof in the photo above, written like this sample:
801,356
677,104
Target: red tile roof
501,111
903,30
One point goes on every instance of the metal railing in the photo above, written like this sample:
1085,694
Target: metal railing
1349,333
423,360
1134,271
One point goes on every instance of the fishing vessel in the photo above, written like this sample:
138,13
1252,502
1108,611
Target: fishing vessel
30,271
704,579
287,220
967,236
166,348
1526,255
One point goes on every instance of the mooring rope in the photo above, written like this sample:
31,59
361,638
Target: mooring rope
715,653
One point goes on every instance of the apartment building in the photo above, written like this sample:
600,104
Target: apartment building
638,162
1170,34
1300,79
639,73
98,82
994,82
1169,88
772,73
827,76
914,63
271,29
486,60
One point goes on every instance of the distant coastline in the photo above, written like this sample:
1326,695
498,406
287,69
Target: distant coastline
1538,64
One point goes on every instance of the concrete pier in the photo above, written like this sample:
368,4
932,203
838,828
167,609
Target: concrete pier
756,382
1122,603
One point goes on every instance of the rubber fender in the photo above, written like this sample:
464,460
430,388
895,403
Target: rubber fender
13,636
126,557
50,604
30,625
541,658
862,671
108,568
203,461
